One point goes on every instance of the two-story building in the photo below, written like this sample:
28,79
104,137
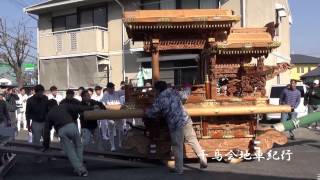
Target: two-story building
84,43
302,64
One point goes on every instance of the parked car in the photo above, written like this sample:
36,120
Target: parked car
274,97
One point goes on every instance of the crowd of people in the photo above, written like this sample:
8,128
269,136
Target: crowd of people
34,113
40,112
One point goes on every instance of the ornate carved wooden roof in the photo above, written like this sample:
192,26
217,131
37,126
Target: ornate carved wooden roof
180,19
179,15
194,28
247,41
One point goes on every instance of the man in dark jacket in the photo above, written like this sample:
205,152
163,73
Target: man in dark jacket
60,117
89,128
11,98
36,111
312,99
4,113
71,101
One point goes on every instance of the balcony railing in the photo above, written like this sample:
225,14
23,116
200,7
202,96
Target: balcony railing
74,41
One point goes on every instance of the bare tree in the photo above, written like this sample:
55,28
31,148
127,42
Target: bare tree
15,48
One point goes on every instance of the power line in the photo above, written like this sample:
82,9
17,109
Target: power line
20,3
23,5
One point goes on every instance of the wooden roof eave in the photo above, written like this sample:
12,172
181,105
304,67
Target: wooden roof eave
249,45
179,15
213,19
246,48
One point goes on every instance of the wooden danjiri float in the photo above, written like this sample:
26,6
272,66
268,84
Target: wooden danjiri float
230,95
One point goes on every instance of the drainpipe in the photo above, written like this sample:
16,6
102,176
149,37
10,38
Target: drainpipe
243,12
122,41
38,53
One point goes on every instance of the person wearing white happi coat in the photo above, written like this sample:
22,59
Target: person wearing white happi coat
22,103
54,94
111,99
97,96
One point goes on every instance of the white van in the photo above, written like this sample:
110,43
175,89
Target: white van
274,96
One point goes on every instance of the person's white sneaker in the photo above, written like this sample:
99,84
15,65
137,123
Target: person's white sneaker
113,149
105,138
83,173
203,161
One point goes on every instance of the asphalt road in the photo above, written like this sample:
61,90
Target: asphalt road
304,165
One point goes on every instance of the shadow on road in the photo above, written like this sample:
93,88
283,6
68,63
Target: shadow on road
60,170
315,145
296,142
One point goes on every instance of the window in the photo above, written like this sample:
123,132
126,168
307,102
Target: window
94,17
197,4
59,23
302,69
178,4
86,18
190,4
62,23
71,21
169,4
209,4
309,69
100,17
150,4
298,69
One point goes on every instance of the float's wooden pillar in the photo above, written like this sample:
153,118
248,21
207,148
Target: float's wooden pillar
214,80
212,70
155,61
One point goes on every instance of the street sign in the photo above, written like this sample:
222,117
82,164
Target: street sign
29,67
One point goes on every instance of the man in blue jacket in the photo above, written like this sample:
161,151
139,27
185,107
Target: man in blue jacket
290,96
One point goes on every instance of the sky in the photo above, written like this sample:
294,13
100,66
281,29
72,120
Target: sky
305,36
